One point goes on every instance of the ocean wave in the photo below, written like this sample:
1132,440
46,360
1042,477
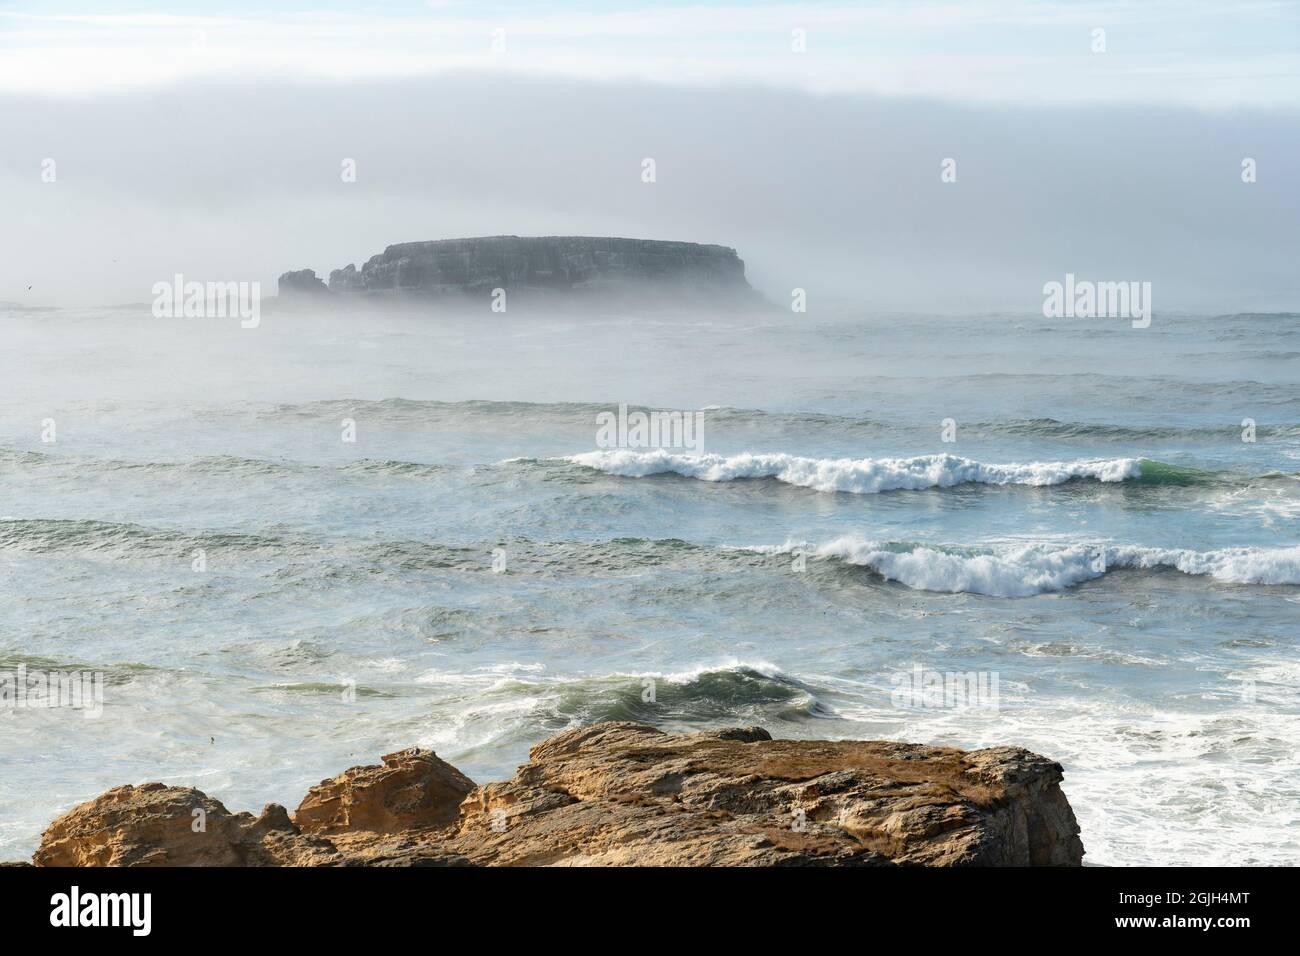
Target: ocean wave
1038,569
1101,431
466,414
431,413
124,540
732,690
999,571
857,475
19,459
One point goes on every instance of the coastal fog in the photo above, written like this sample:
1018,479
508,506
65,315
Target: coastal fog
838,194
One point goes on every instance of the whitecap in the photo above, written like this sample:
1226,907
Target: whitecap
1036,569
855,475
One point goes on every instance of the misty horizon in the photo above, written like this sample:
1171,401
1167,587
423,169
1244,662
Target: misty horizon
241,181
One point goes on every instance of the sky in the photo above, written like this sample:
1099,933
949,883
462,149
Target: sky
1106,139
1187,52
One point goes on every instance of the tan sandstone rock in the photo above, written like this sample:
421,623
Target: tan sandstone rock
618,794
157,825
413,790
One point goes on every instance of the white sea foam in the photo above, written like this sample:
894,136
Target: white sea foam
862,476
1036,569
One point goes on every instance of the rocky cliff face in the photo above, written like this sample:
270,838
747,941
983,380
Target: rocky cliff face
616,794
546,267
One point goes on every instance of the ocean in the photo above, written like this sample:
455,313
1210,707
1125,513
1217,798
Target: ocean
293,548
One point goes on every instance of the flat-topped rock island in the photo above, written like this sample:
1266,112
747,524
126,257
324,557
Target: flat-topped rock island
547,269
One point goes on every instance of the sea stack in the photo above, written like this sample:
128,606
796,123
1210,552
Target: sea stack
539,269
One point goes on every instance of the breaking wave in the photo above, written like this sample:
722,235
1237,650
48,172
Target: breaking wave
863,476
734,691
1037,569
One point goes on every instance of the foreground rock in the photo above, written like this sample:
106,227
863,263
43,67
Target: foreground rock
412,790
616,794
156,825
531,269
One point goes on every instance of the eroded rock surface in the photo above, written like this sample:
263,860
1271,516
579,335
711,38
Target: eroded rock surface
412,790
157,825
618,794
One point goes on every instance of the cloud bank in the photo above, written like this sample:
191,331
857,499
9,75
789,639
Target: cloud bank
838,194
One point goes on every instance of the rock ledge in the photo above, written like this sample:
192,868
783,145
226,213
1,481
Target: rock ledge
615,794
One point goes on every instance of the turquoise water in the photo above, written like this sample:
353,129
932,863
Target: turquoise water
473,572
